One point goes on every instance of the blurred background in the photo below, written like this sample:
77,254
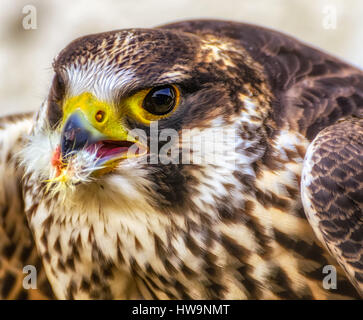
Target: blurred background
29,42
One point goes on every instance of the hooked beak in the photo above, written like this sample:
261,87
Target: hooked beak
78,134
94,126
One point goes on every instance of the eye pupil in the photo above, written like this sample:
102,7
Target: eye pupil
162,97
160,100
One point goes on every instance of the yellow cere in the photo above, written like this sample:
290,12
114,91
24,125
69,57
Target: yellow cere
110,122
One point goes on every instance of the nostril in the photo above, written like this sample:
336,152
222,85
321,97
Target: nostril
100,116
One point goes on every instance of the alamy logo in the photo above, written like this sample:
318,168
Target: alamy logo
30,280
330,17
30,18
330,280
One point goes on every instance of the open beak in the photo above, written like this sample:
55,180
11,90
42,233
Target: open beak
91,125
78,134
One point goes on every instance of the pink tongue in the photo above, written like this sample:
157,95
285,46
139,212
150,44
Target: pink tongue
106,149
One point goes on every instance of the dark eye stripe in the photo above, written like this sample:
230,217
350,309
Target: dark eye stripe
160,100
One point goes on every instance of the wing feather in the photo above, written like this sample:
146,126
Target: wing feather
332,193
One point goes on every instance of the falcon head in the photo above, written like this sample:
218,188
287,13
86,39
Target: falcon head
147,110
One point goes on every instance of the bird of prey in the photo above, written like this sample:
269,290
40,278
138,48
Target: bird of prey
276,215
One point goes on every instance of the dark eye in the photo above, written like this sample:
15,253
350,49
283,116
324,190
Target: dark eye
160,100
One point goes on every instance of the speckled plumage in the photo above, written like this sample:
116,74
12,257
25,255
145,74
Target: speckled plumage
233,229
